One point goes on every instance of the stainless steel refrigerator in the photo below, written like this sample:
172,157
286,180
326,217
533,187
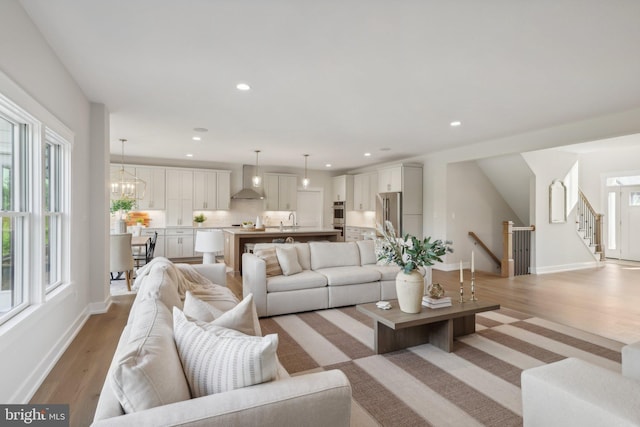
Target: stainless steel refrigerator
389,208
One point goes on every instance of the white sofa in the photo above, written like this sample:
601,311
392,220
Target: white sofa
334,274
573,392
316,399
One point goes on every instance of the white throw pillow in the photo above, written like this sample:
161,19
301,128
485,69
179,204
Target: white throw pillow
217,359
243,317
288,259
146,371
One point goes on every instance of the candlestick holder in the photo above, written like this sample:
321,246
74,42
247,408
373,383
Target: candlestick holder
473,287
461,293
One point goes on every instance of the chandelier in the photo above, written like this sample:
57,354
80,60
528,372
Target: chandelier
125,185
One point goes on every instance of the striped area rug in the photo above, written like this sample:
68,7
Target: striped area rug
477,384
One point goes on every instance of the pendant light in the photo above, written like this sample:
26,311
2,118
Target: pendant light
125,185
305,180
257,179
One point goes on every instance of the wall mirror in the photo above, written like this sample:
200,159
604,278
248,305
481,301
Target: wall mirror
557,202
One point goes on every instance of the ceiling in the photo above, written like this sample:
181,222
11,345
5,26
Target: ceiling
336,79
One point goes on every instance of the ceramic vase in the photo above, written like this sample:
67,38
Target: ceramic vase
410,289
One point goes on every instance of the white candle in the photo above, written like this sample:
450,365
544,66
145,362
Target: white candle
461,277
472,267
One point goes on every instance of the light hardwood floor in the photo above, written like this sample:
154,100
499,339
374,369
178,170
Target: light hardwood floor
603,301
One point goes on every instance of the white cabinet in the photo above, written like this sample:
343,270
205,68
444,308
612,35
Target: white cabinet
179,243
205,190
223,201
353,234
211,190
390,179
343,190
365,187
281,192
154,194
179,186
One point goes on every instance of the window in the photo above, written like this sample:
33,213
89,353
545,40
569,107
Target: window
12,289
634,198
53,209
34,167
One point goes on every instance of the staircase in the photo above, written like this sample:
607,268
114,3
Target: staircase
589,226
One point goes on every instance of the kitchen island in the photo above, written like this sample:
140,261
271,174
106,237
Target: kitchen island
236,238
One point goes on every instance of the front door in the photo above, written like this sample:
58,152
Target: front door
624,222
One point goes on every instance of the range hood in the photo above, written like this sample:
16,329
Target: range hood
247,192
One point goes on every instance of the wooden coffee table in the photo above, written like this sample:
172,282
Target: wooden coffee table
395,329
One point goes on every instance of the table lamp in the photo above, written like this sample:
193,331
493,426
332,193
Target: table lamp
209,242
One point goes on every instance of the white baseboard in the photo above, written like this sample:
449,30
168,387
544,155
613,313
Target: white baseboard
31,385
100,307
451,266
564,267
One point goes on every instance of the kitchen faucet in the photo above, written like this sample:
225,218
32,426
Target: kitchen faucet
293,214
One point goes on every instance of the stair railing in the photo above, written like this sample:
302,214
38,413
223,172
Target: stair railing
516,249
590,223
477,239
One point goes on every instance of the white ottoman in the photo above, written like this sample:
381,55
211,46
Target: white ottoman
631,361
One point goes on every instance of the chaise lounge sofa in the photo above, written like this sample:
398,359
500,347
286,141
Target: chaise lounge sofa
324,275
147,384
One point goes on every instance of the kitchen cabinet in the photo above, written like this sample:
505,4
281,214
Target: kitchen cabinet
365,187
211,190
281,192
353,234
179,191
343,190
179,243
223,201
154,195
390,179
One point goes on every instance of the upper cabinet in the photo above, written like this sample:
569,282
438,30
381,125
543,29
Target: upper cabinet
179,197
365,187
390,179
343,189
154,193
211,190
281,192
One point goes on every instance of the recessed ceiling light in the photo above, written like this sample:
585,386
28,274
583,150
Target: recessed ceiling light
200,130
328,165
243,86
196,138
189,155
455,123
367,154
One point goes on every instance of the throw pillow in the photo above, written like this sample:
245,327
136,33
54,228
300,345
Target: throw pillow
271,260
146,371
288,259
217,359
242,318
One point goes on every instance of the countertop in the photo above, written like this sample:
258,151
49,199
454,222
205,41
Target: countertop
275,231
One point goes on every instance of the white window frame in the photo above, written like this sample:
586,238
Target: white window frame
40,126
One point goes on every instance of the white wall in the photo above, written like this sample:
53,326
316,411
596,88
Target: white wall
31,343
474,204
596,166
557,246
510,175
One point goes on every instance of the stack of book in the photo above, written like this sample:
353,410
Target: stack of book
427,301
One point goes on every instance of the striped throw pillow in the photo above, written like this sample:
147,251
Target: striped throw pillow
216,359
271,260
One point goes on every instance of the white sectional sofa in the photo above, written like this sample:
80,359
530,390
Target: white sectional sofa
333,274
153,390
573,392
